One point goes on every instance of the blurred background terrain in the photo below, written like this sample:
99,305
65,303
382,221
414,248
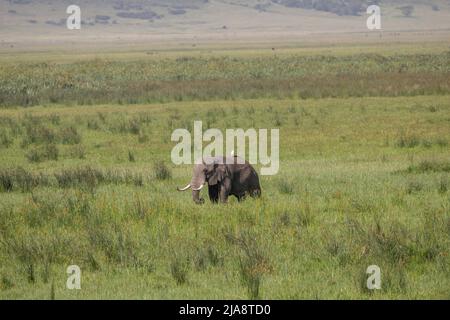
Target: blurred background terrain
27,24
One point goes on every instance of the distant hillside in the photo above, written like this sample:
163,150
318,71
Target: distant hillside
34,21
150,9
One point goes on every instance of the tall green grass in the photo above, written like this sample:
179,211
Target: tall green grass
185,78
352,191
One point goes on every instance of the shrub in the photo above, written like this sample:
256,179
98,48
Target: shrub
179,268
6,283
252,262
90,177
5,139
92,124
40,154
34,155
134,126
286,187
45,153
70,135
51,152
26,180
143,138
20,179
277,121
441,142
78,152
117,243
6,181
138,180
433,109
407,11
205,256
131,157
39,135
162,172
430,166
305,216
443,185
55,119
141,208
413,187
407,141
82,176
392,242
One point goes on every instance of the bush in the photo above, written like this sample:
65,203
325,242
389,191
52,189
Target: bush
6,283
83,176
20,179
134,126
441,142
92,124
205,256
78,152
162,172
414,187
70,135
179,268
40,154
6,181
5,139
430,166
39,135
407,11
116,242
90,177
286,187
143,138
131,157
305,216
55,119
443,185
252,262
407,141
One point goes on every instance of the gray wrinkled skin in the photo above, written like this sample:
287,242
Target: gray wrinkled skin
225,177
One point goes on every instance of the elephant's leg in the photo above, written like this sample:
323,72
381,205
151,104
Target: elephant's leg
241,197
223,195
213,193
224,192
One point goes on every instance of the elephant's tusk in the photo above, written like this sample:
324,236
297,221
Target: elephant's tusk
201,187
185,188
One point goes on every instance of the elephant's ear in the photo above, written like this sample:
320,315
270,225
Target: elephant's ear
219,173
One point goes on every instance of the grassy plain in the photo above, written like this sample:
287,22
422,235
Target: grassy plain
86,177
242,75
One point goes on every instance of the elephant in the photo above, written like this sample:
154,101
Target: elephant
225,176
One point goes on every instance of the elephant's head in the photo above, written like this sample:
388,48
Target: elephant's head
211,171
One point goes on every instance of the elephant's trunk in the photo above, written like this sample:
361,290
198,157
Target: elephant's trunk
197,183
196,197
